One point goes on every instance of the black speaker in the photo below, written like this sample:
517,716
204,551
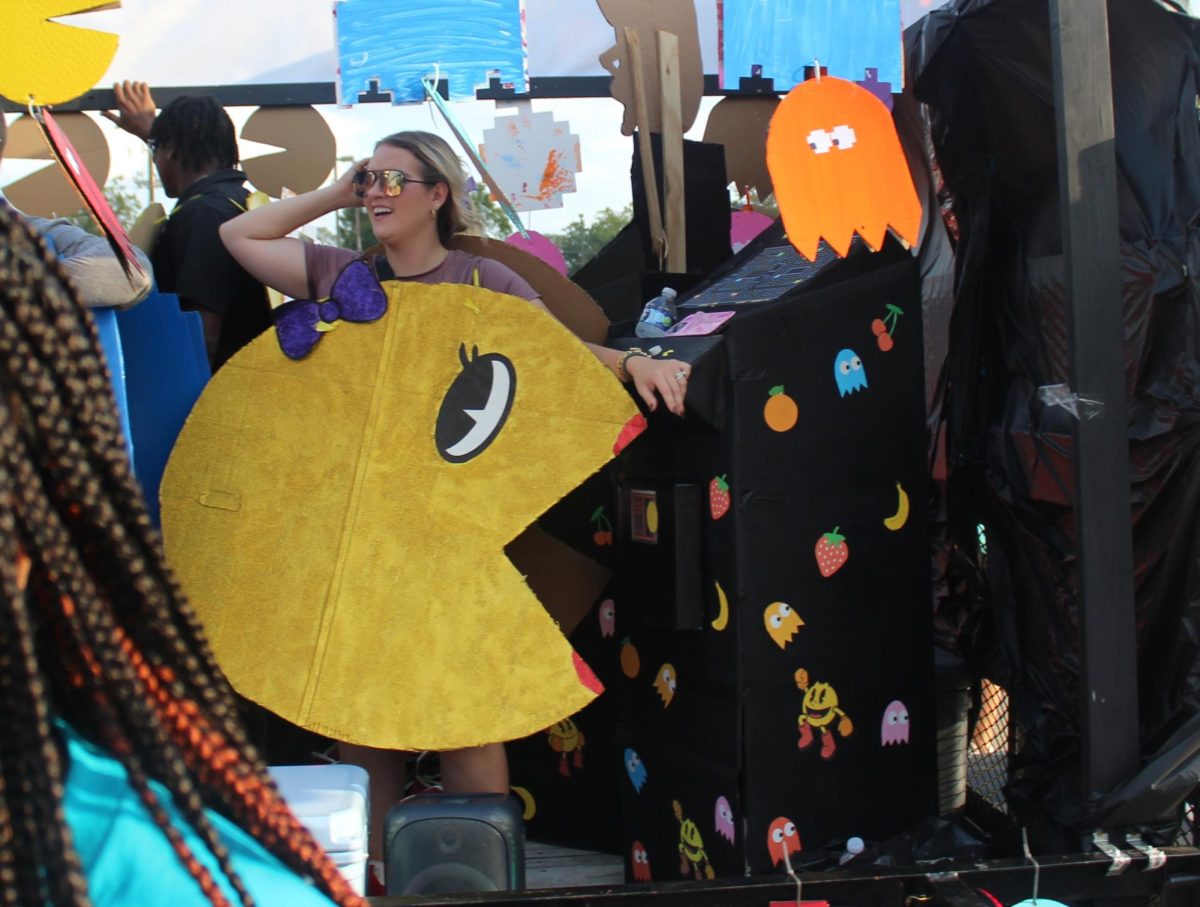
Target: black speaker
453,843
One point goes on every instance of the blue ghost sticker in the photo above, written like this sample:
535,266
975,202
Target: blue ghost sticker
635,768
848,372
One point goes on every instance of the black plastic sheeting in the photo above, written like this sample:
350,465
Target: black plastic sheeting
983,68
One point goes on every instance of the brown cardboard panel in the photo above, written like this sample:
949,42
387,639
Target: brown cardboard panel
48,192
741,125
565,299
309,149
144,231
646,17
566,582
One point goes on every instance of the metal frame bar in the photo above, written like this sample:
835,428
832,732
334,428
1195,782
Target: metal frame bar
1071,880
295,94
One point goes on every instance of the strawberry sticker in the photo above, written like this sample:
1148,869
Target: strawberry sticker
831,552
718,497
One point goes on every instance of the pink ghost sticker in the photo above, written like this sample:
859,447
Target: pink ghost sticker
608,617
724,819
894,729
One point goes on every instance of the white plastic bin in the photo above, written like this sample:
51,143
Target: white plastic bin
331,801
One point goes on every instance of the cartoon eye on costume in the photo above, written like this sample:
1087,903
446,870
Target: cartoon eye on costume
820,141
843,137
844,365
856,363
476,406
777,835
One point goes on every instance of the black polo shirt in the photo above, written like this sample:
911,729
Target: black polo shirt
191,261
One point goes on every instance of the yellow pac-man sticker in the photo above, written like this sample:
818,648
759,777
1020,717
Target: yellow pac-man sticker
50,62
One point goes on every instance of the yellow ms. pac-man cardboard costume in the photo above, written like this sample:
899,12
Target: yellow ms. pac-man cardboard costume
339,521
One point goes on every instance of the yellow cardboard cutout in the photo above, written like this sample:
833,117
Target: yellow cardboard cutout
349,577
48,61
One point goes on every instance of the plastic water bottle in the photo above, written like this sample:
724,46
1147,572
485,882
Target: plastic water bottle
657,315
854,846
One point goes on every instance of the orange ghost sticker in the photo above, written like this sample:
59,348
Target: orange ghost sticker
838,168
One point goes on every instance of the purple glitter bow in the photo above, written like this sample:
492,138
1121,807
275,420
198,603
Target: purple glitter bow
355,296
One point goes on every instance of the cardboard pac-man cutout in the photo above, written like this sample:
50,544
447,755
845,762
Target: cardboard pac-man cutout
838,169
339,521
565,299
49,62
48,192
308,149
741,126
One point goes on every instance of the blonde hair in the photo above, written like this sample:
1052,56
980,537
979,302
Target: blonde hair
456,216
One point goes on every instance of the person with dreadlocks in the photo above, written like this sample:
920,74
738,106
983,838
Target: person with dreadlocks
196,154
125,778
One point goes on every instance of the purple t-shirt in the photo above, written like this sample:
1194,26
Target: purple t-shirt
324,263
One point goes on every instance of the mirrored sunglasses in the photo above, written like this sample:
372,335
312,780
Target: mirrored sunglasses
392,181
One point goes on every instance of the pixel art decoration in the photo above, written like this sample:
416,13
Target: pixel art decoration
533,157
389,47
784,36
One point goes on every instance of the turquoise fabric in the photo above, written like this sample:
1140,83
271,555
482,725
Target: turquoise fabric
127,859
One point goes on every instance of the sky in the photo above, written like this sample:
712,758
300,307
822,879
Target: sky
227,42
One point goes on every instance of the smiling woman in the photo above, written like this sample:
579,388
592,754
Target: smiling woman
413,189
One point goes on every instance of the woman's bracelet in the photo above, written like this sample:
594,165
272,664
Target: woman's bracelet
623,362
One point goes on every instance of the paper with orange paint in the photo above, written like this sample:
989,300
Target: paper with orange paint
838,169
50,62
533,157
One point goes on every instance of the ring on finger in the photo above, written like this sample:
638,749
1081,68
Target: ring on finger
681,375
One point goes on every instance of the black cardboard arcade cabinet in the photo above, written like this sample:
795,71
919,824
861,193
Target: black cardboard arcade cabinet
772,575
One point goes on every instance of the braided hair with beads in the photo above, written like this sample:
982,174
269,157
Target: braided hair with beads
94,629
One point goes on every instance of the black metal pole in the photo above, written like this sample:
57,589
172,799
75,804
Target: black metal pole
1103,519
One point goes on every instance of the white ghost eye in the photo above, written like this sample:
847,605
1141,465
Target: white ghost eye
777,836
790,830
843,137
903,719
893,718
776,621
726,812
820,141
784,609
844,366
671,684
856,363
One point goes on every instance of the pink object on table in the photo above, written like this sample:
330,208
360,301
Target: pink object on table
699,323
543,248
746,225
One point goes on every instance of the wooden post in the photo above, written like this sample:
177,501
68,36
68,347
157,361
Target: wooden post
672,151
646,152
1103,519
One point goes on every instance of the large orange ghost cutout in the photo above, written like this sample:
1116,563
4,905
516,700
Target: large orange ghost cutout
838,168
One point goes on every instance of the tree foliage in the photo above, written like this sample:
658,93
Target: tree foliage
495,222
581,240
128,197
